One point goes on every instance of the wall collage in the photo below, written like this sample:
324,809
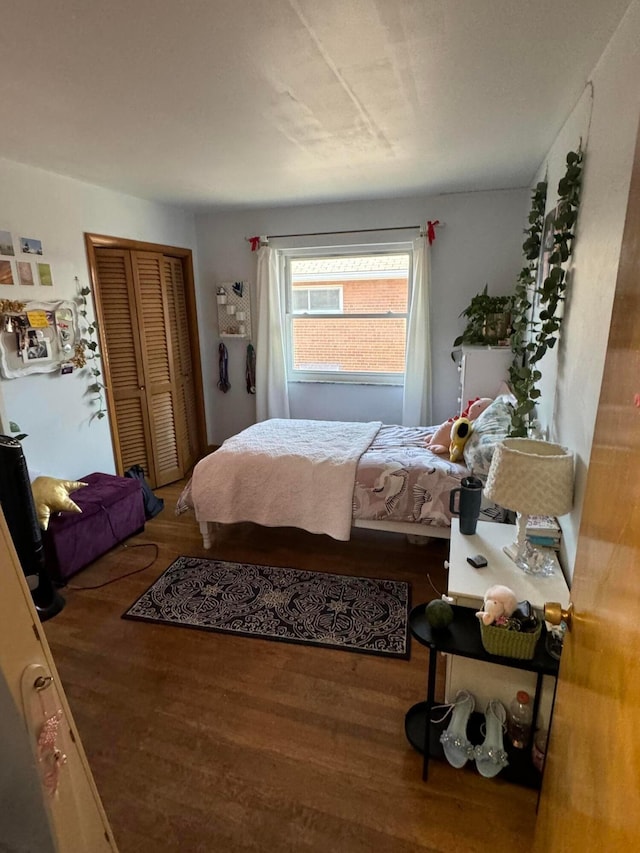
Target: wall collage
36,336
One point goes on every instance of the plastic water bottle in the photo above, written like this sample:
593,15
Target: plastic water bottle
520,719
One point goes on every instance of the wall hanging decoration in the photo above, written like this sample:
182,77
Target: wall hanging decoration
540,292
234,310
25,273
6,243
36,337
223,369
31,246
250,370
6,273
45,276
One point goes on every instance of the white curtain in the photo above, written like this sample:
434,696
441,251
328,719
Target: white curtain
416,402
272,397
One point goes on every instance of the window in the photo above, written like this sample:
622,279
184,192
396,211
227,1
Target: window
347,315
316,300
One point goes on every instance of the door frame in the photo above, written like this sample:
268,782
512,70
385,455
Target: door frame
103,241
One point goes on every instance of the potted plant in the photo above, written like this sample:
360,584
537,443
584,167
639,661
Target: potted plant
488,320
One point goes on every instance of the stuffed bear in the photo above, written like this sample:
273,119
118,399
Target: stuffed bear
499,601
440,441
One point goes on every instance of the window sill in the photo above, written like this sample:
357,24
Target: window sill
381,382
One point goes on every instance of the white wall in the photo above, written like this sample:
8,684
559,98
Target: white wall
480,243
52,409
608,125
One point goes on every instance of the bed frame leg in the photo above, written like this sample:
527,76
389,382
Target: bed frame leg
206,528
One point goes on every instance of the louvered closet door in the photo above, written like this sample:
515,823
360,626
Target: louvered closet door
157,360
124,359
186,411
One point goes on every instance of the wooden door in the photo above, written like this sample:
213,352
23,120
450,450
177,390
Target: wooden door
122,359
34,816
186,411
158,366
591,792
147,323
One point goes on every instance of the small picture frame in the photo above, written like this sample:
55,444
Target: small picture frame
25,273
6,273
45,276
6,243
31,246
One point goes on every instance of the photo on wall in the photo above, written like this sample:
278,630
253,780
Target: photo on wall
6,243
44,273
25,273
37,347
6,273
31,246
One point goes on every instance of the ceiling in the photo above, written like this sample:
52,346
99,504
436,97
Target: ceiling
250,103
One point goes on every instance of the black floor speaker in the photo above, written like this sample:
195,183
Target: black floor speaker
19,511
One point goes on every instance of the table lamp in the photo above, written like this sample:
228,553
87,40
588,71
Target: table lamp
531,477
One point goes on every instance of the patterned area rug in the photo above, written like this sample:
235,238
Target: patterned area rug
337,611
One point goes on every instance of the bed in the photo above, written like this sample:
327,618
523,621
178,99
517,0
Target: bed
329,476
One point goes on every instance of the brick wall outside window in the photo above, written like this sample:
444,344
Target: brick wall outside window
371,344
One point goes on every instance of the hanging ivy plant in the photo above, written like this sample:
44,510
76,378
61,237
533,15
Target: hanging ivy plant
87,355
533,336
522,378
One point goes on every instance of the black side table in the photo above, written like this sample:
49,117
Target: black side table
462,637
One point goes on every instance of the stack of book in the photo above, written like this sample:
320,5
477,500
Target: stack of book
544,531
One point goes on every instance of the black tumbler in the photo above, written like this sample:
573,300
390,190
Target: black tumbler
468,508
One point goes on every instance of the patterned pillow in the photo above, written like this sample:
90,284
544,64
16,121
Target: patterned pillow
489,428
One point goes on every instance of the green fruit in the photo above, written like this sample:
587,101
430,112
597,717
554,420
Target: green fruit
439,613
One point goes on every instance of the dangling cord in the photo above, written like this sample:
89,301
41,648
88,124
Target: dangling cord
250,372
223,366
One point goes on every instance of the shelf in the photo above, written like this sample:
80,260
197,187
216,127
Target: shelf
520,770
462,638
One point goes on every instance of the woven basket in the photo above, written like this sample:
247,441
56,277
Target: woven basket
509,644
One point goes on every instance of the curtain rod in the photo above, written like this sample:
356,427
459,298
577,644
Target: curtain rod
350,231
435,223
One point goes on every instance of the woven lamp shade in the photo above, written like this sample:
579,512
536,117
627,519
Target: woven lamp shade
531,477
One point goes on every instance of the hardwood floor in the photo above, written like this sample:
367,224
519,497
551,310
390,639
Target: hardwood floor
209,742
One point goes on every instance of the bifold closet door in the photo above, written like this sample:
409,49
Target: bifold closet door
123,360
186,411
158,365
139,363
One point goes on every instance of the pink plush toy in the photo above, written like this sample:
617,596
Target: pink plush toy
499,601
440,441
